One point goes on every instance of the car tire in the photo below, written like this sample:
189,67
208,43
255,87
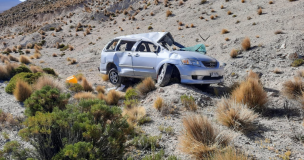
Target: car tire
114,78
164,75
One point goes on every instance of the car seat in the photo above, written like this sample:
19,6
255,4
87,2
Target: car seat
142,48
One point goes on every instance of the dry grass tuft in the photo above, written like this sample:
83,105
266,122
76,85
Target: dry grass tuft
47,80
235,115
222,6
37,55
293,89
12,58
233,53
300,73
211,17
54,55
168,13
73,61
229,12
79,76
270,2
4,73
181,2
224,31
36,69
228,153
145,86
101,89
278,32
4,58
188,102
105,77
260,11
22,91
253,75
24,59
112,97
86,85
246,44
27,51
199,138
71,48
158,103
134,114
84,95
277,71
251,93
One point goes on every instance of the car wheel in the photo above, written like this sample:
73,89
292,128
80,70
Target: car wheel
114,78
164,75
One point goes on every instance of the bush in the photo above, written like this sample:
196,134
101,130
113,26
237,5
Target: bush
293,89
24,59
188,102
199,138
21,69
91,123
45,100
297,62
233,53
36,69
14,150
30,78
100,89
134,115
131,93
22,91
235,115
145,86
146,142
49,71
112,97
250,92
63,48
75,87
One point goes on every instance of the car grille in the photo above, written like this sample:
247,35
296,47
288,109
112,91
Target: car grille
212,78
210,64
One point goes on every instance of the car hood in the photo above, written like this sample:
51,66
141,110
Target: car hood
194,55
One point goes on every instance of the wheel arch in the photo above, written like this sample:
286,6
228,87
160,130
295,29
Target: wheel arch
176,71
110,65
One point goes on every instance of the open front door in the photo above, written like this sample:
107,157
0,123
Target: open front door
125,57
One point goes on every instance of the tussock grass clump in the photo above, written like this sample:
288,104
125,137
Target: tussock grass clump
233,53
29,46
100,89
24,59
300,73
36,69
27,51
73,61
188,102
270,2
278,32
131,94
293,89
168,13
79,77
145,86
229,12
54,55
3,73
84,95
277,71
224,31
251,93
48,80
246,44
158,103
86,85
22,91
134,115
4,58
199,138
12,58
112,97
260,11
229,153
253,75
235,115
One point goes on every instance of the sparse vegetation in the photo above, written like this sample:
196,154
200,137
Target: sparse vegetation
47,80
246,44
293,89
233,53
278,32
22,91
30,78
260,11
168,13
158,103
297,62
24,59
105,77
100,89
224,31
188,102
84,95
86,85
145,86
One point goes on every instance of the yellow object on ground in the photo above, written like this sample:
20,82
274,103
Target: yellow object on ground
71,79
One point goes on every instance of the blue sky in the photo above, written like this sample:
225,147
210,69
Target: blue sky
7,4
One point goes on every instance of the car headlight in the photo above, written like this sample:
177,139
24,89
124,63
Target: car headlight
191,62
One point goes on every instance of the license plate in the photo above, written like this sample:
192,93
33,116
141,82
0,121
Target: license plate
214,74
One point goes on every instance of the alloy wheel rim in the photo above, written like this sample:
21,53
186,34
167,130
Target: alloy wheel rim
114,77
161,75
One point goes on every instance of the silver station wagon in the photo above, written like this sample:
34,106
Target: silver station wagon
155,55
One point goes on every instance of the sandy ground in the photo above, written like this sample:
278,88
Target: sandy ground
277,128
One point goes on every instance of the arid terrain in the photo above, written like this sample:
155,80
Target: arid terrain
275,30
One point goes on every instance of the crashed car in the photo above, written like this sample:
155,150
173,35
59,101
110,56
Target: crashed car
155,55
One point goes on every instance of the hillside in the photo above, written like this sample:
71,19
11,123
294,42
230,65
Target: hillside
276,33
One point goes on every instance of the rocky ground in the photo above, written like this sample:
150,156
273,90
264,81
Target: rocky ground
279,128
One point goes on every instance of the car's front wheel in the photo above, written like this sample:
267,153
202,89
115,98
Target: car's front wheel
114,78
164,75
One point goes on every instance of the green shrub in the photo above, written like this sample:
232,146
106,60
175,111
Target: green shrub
49,71
52,28
145,142
64,48
75,87
21,69
30,78
13,150
297,62
89,124
131,94
188,102
45,100
61,45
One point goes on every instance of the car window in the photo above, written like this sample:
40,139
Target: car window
146,47
111,46
125,45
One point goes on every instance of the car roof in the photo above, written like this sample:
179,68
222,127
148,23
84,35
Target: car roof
152,36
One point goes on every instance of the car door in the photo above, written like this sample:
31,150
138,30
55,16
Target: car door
144,59
124,55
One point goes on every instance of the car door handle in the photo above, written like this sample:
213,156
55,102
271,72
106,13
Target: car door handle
136,55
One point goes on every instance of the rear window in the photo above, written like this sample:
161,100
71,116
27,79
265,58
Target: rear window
111,46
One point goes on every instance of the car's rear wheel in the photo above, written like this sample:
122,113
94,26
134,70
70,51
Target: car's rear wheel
164,75
114,78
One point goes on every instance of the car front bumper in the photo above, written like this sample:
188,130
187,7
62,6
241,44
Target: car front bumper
200,75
